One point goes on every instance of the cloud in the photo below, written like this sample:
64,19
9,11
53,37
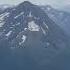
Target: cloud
54,3
67,2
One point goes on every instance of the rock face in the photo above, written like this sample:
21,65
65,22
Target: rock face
29,39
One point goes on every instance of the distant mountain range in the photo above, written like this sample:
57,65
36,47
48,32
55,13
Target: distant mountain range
61,18
66,8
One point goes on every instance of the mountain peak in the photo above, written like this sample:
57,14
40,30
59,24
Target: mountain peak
26,3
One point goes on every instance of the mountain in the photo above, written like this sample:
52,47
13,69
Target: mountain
66,8
29,39
61,18
5,6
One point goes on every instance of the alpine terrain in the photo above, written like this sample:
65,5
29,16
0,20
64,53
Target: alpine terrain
29,39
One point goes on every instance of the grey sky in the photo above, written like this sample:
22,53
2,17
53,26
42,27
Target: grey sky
54,3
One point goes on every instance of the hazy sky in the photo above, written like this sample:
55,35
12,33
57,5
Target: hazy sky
55,3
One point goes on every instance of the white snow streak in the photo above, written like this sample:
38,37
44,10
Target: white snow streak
45,25
43,31
23,39
8,34
19,15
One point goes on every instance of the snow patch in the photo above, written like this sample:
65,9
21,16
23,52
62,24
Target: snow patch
5,14
32,26
18,15
25,29
18,24
30,15
45,25
5,7
8,34
2,16
12,48
11,27
23,39
1,24
48,43
43,31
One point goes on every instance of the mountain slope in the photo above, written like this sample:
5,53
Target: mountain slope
59,17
